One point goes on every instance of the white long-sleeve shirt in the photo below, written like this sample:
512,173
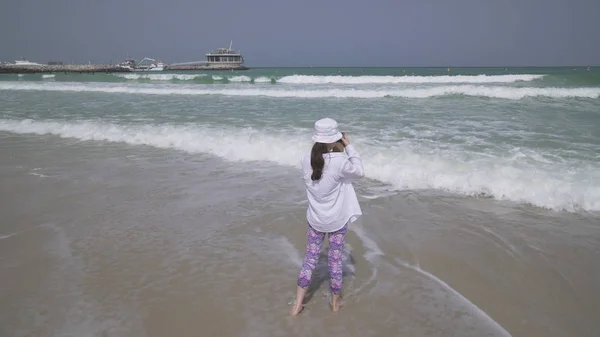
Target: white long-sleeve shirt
332,201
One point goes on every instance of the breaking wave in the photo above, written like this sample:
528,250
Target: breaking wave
500,92
550,185
240,79
309,79
160,77
314,79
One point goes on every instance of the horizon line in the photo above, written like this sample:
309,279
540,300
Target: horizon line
454,66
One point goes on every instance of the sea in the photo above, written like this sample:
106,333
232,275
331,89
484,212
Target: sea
172,204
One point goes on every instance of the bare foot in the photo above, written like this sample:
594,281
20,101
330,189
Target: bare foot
335,307
296,309
335,303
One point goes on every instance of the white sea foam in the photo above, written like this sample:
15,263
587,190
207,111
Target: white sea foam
550,186
309,79
554,186
500,92
313,79
292,254
470,304
48,76
160,77
19,232
239,79
372,250
262,79
7,236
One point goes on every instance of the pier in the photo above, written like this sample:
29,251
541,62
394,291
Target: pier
219,59
60,68
204,66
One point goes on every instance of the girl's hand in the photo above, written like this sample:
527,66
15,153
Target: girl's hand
345,140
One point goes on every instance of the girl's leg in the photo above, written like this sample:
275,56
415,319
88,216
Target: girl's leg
336,247
313,248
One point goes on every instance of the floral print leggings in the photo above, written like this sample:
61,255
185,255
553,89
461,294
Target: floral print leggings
313,249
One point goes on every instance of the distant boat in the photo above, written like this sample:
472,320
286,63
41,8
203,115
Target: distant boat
25,63
131,65
128,64
158,66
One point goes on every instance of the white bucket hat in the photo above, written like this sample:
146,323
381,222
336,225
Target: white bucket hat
326,131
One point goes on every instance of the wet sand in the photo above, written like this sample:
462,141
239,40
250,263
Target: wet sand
101,239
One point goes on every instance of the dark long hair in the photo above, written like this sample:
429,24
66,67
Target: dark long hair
317,162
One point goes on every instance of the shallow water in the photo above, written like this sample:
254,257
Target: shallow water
135,241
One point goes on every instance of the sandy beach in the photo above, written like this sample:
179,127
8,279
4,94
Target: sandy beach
117,240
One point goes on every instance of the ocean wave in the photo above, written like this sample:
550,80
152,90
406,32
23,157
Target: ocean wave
240,79
160,77
263,79
192,77
313,79
550,185
48,76
500,92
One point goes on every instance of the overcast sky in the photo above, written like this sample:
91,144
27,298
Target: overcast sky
307,32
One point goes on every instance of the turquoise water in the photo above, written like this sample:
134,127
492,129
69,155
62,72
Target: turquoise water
526,135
